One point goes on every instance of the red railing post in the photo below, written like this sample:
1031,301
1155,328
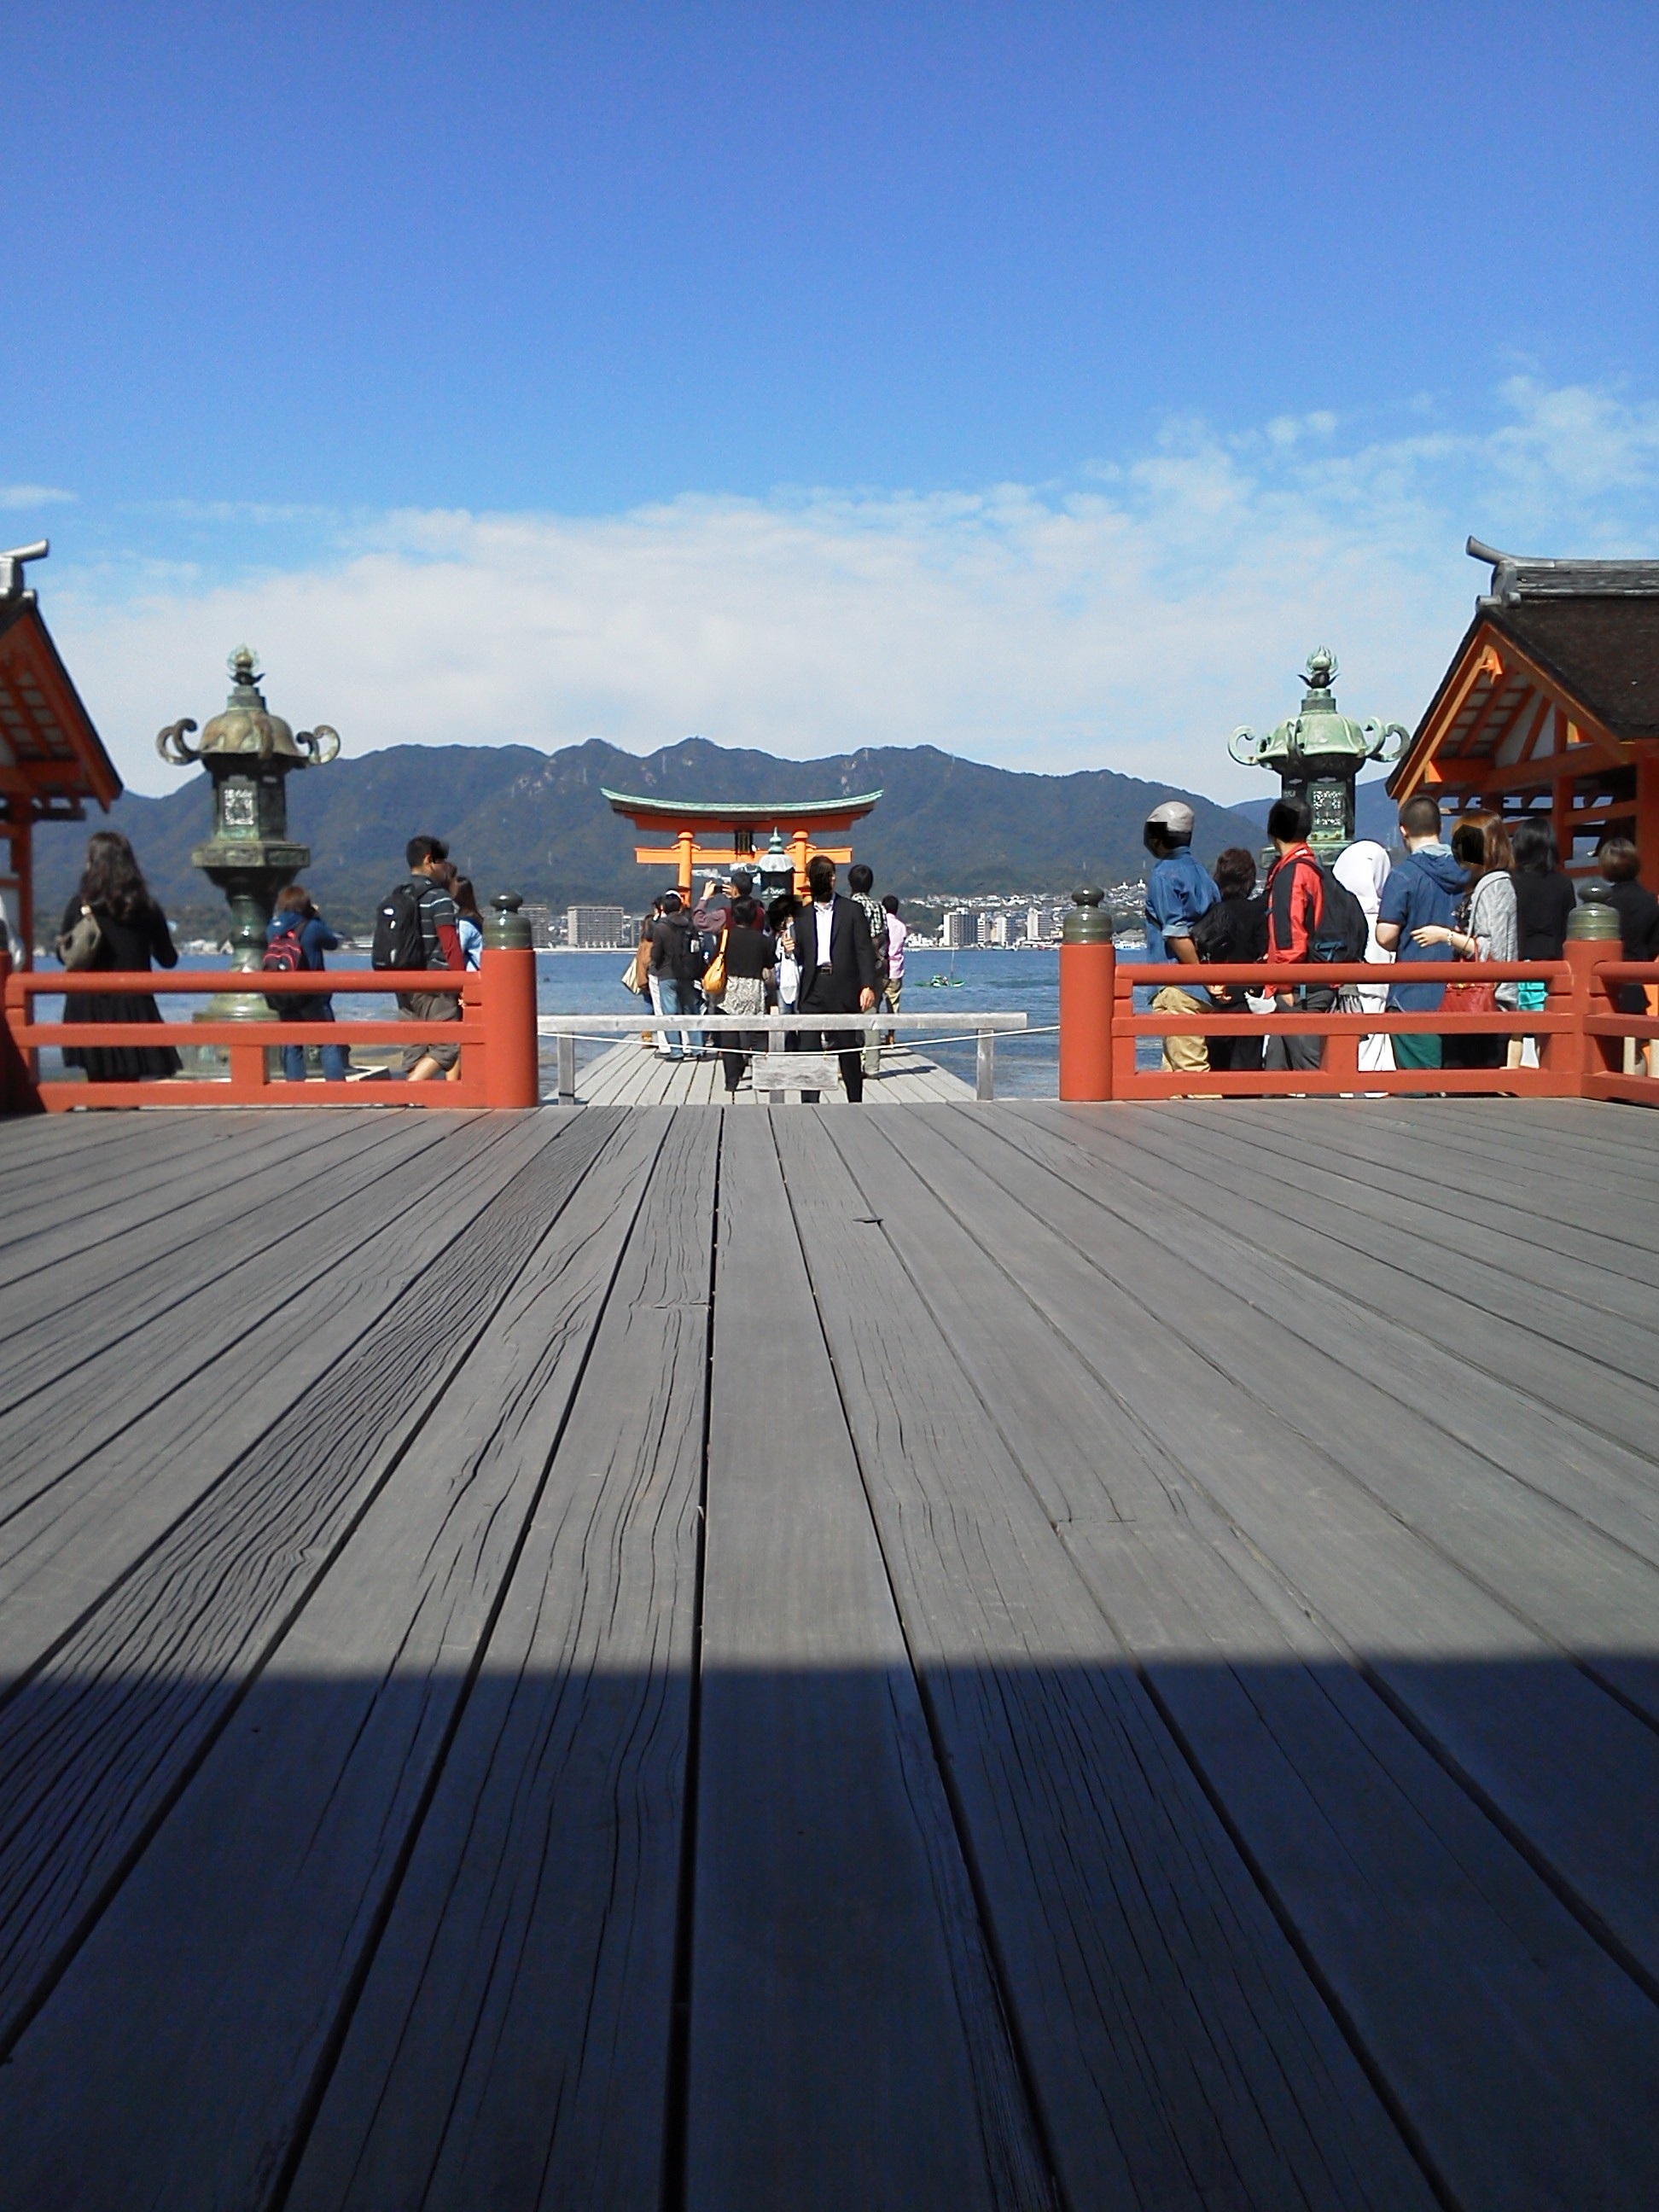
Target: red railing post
1575,1056
512,1075
1088,992
17,1093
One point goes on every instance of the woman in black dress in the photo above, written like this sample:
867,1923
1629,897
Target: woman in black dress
1638,910
133,932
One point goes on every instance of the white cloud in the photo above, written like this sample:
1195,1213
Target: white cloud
16,496
1129,622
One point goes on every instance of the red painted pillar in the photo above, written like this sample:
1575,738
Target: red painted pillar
1088,990
1575,1056
17,1093
512,1077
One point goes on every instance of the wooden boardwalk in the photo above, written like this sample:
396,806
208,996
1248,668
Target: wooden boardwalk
628,1075
1010,1657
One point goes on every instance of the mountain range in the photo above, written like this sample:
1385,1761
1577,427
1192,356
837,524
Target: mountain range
536,822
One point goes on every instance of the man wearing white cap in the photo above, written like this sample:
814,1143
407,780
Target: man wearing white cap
1177,891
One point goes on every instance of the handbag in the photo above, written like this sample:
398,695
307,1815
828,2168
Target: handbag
79,947
631,978
1470,997
714,975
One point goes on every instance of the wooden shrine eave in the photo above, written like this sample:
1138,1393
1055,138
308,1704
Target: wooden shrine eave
1503,720
51,755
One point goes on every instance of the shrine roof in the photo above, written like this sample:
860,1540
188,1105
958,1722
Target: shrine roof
740,810
48,746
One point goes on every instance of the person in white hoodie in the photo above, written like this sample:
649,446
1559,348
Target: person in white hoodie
1363,869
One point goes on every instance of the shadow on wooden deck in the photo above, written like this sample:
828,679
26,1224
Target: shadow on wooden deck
668,1659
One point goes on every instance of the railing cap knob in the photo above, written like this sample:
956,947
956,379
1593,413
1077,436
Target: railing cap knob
507,930
1090,921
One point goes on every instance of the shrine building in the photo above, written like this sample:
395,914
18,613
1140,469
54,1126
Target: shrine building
1551,706
51,759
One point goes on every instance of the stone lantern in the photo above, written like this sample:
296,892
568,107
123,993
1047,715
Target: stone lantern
1319,753
249,754
774,870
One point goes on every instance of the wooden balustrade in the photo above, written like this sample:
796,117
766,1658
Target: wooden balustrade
497,1034
1579,1031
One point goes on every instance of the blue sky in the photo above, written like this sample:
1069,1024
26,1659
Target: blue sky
1043,380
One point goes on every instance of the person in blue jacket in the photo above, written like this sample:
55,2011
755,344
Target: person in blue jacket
1178,891
1422,892
296,917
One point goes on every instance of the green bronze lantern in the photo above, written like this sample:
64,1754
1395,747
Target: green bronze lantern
776,871
1319,754
249,754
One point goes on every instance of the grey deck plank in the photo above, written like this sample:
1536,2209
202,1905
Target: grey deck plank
237,1940
847,2042
1425,1395
1523,2058
66,1196
1398,1175
97,1740
510,2047
1412,1349
1573,1775
1177,2050
107,1450
232,1252
53,1271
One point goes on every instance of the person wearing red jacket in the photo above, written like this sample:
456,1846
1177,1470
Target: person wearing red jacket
1295,906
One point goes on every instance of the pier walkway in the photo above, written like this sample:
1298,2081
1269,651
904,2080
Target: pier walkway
964,1656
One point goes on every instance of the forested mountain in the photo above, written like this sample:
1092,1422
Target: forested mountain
535,822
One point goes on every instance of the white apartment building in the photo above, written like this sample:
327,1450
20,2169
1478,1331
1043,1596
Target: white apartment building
604,928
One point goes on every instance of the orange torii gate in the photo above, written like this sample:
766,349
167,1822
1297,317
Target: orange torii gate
800,823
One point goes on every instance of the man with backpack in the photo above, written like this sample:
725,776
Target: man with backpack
417,926
1422,892
1311,917
677,962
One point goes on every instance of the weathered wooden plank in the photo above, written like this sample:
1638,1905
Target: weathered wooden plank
1408,1409
95,1742
56,1269
99,1474
1395,1179
510,2048
1523,2059
1573,1776
1178,2053
847,2042
236,1941
65,1196
1506,1412
112,1320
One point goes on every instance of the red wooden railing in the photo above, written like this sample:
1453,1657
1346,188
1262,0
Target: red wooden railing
1580,1033
497,1034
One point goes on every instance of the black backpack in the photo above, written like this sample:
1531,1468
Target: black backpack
686,959
400,941
1343,932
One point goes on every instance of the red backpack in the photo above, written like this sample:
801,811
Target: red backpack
284,956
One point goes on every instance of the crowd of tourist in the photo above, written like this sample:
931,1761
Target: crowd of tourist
729,954
113,923
1486,897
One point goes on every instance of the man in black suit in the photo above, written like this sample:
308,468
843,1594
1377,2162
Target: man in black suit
837,971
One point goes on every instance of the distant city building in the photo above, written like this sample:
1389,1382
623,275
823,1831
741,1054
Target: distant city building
960,929
603,928
543,930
